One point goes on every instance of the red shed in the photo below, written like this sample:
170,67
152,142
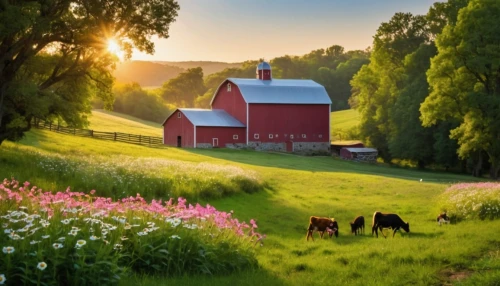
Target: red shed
278,114
202,128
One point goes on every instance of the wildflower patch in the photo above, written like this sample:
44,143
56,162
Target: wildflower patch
76,238
472,201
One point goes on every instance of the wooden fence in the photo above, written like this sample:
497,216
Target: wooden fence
114,136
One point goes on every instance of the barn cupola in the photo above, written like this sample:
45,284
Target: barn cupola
263,71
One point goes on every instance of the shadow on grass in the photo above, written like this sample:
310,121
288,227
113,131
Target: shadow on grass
249,277
327,164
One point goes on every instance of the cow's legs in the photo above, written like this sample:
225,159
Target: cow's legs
382,231
309,233
396,229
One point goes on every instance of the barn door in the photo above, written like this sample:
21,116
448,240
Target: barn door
215,142
179,141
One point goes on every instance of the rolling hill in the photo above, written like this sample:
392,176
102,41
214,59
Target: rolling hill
154,74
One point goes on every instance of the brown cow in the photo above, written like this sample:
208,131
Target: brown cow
322,224
358,225
443,218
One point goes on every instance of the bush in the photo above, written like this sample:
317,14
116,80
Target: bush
472,201
72,238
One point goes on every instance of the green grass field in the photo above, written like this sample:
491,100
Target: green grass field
345,119
464,253
109,121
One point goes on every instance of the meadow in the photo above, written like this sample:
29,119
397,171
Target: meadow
285,190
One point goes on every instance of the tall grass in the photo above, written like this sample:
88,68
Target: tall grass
122,176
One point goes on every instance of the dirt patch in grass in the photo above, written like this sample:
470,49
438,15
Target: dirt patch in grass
450,277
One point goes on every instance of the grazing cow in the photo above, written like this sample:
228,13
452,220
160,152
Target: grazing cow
358,225
393,221
322,224
443,218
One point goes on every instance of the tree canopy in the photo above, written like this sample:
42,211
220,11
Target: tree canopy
465,81
54,58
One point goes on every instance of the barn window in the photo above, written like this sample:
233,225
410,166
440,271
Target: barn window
256,136
270,136
320,135
291,136
304,136
228,87
235,136
179,114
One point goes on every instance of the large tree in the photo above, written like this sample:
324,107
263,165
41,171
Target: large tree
184,89
54,58
377,86
465,81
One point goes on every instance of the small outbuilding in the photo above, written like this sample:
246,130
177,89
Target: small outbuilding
337,145
359,154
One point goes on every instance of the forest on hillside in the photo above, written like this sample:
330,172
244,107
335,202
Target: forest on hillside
431,92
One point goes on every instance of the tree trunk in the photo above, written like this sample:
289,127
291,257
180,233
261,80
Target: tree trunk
479,164
421,164
494,169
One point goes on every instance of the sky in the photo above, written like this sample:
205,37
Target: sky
239,30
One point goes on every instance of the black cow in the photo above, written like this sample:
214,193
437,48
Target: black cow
322,224
393,221
358,225
443,218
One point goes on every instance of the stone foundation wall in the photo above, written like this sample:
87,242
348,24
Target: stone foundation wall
259,146
203,145
236,146
311,147
298,147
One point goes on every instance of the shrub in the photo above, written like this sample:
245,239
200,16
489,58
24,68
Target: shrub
472,201
72,238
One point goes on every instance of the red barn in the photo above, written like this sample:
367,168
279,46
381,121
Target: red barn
262,114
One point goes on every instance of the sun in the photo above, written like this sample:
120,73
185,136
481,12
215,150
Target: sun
114,48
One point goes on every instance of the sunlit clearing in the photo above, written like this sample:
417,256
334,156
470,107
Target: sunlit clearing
114,48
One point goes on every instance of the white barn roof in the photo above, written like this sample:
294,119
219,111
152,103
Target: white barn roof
281,91
209,117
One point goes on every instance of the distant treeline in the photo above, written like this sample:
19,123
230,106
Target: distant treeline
332,67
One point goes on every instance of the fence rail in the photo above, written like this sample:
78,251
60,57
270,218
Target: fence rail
113,136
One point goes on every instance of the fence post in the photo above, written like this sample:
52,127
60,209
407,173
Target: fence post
140,139
91,133
50,126
114,139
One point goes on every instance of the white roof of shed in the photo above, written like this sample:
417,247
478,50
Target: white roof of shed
361,150
209,117
281,91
